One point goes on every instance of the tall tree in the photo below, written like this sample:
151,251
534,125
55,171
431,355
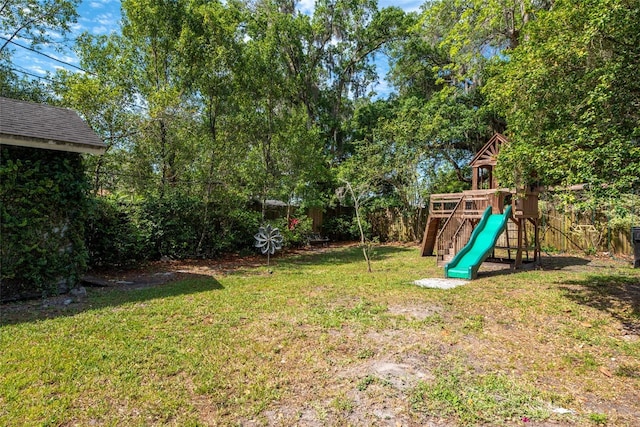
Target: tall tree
34,20
106,99
211,57
282,140
349,34
439,113
151,31
570,97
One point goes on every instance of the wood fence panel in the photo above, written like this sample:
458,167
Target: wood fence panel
559,231
398,226
317,216
568,231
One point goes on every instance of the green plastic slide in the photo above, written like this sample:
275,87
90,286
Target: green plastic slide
466,263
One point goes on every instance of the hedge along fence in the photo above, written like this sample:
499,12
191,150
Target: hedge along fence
124,233
42,214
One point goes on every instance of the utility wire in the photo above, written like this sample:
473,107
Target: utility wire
47,56
33,75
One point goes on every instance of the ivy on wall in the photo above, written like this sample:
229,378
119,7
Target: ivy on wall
43,205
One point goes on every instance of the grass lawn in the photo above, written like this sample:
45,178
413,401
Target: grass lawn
316,340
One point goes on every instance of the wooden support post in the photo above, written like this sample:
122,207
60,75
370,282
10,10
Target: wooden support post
519,252
429,237
526,238
536,253
506,232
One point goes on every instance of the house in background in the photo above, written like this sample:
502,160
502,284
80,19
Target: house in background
43,201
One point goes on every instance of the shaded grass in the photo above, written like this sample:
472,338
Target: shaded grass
238,347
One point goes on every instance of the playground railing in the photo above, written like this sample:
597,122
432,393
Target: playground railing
461,212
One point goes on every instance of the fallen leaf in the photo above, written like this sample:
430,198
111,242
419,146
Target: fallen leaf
605,371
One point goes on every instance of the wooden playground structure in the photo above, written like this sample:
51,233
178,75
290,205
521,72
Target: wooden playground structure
452,217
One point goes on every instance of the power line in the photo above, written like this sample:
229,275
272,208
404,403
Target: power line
33,75
46,55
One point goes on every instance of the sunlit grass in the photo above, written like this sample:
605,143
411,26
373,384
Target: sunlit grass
299,339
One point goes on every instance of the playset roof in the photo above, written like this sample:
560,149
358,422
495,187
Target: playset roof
487,156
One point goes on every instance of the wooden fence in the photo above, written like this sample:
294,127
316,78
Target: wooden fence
573,231
396,225
564,231
559,231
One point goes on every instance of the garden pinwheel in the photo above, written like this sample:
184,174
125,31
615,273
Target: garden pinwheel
269,240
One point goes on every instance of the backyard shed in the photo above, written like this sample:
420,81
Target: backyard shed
43,197
28,124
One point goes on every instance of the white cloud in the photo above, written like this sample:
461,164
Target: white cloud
306,6
35,68
54,35
69,59
78,28
100,29
382,89
97,24
406,5
107,20
101,4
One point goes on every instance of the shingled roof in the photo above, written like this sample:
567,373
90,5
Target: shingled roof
28,124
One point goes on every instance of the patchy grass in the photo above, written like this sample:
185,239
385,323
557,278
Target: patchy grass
316,340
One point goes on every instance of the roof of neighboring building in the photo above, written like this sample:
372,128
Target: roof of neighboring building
29,124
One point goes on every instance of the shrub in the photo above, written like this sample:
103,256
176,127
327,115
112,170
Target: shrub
234,231
295,231
116,236
175,225
344,228
126,233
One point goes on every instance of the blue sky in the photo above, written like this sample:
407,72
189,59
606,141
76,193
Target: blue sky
103,17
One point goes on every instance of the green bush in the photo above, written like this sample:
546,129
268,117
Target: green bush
295,231
43,206
126,233
175,226
115,235
233,231
344,228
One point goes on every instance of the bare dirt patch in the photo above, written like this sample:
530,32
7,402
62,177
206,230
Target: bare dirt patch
419,312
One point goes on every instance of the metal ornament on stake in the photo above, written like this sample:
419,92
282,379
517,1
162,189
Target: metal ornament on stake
269,240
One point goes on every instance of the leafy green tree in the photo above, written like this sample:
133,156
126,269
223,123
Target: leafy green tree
569,98
440,118
284,149
106,100
151,32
